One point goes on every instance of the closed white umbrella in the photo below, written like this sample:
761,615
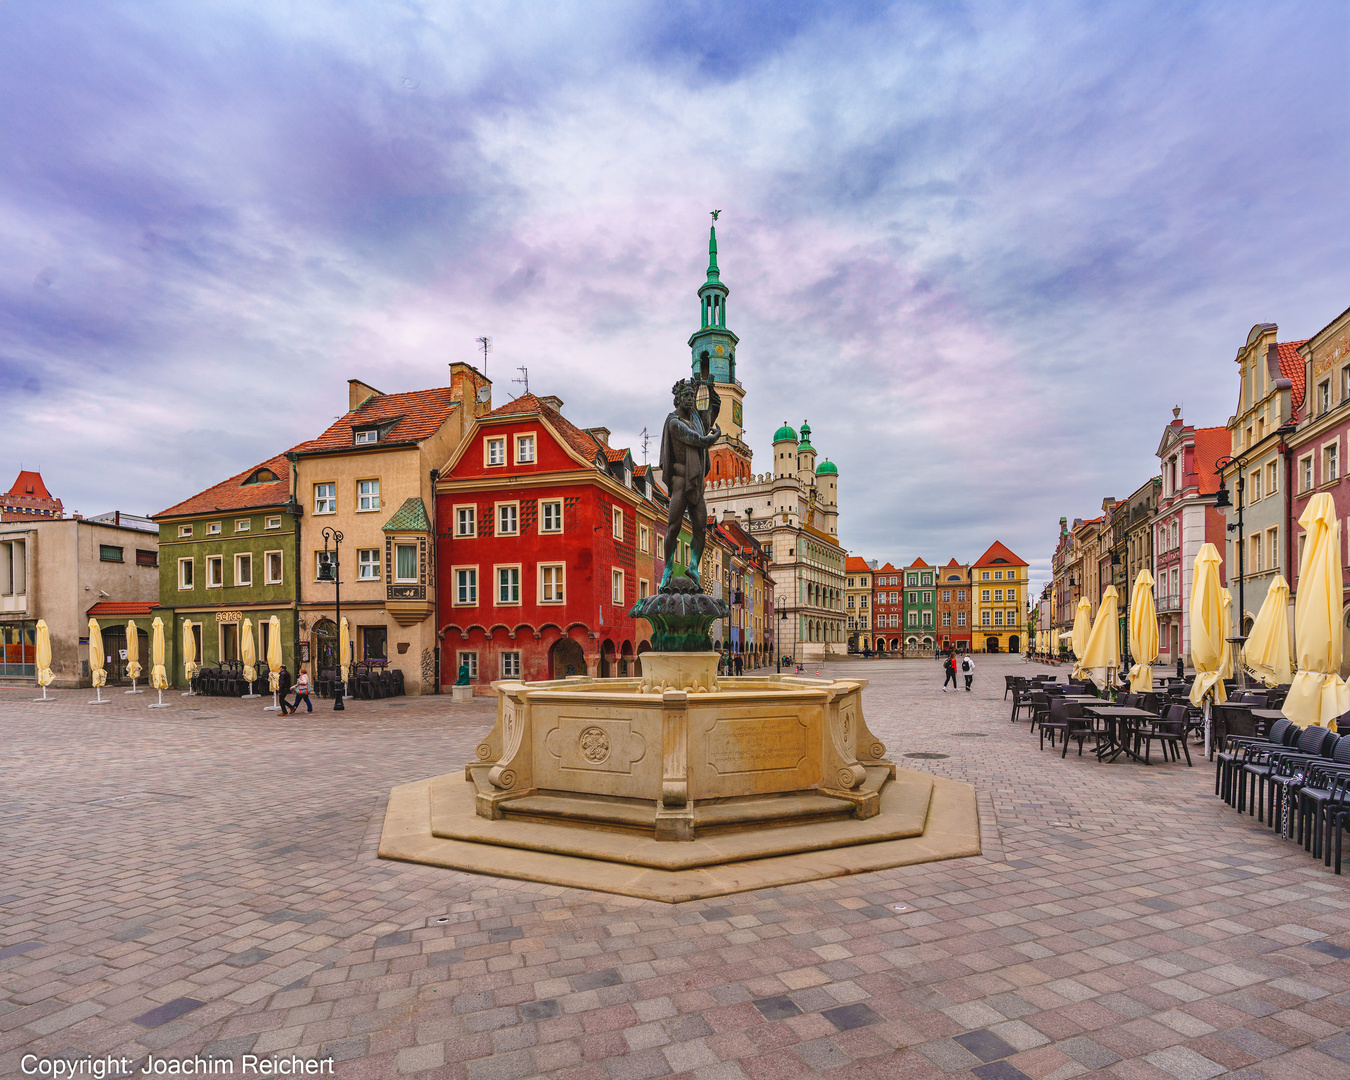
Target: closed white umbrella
1143,634
133,656
98,674
189,656
159,678
43,649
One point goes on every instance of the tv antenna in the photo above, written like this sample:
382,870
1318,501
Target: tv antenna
524,379
485,343
646,438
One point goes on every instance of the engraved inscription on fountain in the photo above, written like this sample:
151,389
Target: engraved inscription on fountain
756,744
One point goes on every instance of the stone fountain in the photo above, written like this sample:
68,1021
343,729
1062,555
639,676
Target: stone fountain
680,783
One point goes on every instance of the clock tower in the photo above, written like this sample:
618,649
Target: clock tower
713,349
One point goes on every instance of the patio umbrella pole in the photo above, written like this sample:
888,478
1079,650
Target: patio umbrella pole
160,704
98,697
133,689
274,707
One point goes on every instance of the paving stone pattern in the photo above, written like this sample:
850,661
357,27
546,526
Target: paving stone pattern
203,879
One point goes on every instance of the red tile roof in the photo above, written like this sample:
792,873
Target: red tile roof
578,440
1211,444
615,455
917,562
1291,367
888,568
639,470
234,494
131,609
416,415
856,564
29,483
998,553
954,563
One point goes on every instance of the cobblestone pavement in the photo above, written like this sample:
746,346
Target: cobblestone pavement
203,880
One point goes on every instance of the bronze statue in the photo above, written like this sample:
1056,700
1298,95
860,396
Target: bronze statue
688,433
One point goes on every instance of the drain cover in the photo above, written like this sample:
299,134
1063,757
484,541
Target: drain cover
927,756
971,734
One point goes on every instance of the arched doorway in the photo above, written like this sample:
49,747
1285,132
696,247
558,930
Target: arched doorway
566,658
645,647
1013,643
991,644
607,659
626,659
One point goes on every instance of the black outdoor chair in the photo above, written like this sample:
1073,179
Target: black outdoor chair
1040,708
1170,732
1289,769
1257,765
1021,693
1061,712
1324,790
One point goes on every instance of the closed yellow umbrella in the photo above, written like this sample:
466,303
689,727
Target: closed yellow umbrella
1101,659
43,647
1226,663
1207,633
159,678
189,655
133,655
1082,629
344,647
1143,633
98,673
248,653
274,657
1267,652
1317,694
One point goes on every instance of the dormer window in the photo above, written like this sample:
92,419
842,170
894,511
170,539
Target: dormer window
628,478
365,436
263,476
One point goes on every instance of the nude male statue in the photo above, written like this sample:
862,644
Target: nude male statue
684,466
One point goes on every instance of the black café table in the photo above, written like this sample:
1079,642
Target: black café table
1118,717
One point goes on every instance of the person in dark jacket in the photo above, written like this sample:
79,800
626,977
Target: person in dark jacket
949,666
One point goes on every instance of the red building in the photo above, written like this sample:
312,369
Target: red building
545,542
953,606
887,608
29,500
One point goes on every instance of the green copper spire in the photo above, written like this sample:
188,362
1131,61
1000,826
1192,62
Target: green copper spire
712,250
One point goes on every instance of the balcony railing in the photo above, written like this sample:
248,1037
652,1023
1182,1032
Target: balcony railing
1168,603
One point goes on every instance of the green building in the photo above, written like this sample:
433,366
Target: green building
226,555
920,609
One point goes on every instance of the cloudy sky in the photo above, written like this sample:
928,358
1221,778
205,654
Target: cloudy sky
983,247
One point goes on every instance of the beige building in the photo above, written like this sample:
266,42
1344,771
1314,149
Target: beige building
60,570
371,477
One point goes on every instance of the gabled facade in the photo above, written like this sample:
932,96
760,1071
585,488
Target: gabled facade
29,500
1270,402
888,608
749,592
858,603
228,554
953,606
1184,521
369,476
999,584
920,609
543,546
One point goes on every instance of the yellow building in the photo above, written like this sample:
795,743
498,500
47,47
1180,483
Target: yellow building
857,603
999,588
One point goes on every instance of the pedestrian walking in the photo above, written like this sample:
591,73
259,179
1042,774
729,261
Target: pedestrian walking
283,685
740,664
1181,667
968,670
949,666
301,691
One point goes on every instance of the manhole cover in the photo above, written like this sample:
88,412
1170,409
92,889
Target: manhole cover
971,734
927,756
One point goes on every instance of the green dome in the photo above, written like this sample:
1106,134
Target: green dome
806,438
826,466
784,432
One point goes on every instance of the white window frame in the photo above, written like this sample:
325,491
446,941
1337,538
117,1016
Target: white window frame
363,498
616,521
495,442
465,580
559,583
363,564
243,524
272,523
644,588
644,538
498,517
544,504
189,562
184,531
213,529
459,509
497,570
1305,473
509,662
416,576
325,497
617,587
218,561
318,561
240,555
1331,461
365,436
267,567
467,657
526,441
1274,550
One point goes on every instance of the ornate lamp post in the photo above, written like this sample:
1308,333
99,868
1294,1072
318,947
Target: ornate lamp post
1224,506
330,570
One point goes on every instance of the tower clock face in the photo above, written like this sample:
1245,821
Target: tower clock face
720,350
736,413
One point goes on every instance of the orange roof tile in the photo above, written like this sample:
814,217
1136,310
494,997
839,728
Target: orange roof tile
999,553
888,568
1211,444
918,562
415,416
578,440
615,455
953,563
856,564
29,483
132,609
1291,367
234,494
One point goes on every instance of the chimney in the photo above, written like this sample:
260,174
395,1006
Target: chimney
553,402
358,393
599,434
466,387
728,515
873,563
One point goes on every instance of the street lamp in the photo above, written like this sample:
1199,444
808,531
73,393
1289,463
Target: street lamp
1223,506
330,570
